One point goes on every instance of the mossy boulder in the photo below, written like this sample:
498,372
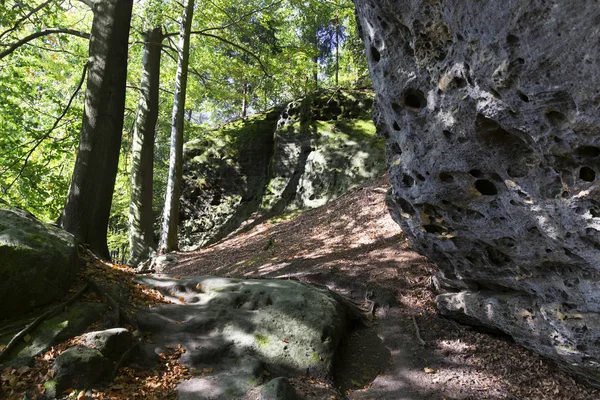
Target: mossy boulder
292,158
37,262
79,367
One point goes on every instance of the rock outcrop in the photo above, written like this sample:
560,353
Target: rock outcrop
244,330
292,158
38,262
492,116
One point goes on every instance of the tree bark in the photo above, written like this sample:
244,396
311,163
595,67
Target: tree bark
141,232
244,99
168,241
87,208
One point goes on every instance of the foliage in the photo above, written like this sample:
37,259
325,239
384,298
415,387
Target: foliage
260,53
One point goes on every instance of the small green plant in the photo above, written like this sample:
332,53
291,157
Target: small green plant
261,340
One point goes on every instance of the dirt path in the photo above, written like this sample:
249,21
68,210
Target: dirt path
352,246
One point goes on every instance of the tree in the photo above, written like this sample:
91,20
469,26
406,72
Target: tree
170,224
141,232
87,207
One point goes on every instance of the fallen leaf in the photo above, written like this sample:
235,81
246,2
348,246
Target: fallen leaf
27,338
356,383
81,395
429,370
199,287
181,299
176,277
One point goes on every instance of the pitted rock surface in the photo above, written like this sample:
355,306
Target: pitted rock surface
239,329
491,112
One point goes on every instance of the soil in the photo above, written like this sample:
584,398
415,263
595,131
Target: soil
409,351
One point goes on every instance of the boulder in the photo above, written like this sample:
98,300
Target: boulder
491,112
38,262
112,343
278,389
241,328
79,367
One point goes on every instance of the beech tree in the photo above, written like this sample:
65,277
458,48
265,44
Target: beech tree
168,241
87,207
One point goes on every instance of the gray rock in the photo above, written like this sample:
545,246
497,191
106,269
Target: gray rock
278,389
491,115
79,367
240,328
112,343
71,322
295,157
38,262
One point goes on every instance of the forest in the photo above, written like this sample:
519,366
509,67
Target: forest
299,199
181,74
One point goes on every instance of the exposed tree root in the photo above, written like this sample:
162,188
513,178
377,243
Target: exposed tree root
116,318
417,332
50,313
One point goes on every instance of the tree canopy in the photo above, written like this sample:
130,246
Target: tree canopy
245,57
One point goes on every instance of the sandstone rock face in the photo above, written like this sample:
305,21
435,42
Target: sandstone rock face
292,158
492,116
37,262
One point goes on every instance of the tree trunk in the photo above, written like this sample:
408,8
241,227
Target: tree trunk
316,72
141,232
168,241
87,208
337,50
245,99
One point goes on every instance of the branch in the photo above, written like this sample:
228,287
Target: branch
47,134
16,339
239,47
36,35
26,17
89,3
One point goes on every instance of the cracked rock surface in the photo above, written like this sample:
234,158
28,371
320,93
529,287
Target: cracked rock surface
491,111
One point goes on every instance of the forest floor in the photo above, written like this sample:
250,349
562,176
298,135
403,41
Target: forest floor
353,246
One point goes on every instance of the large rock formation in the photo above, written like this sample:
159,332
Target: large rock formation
37,262
292,158
492,116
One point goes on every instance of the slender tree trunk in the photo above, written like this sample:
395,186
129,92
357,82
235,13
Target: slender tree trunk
316,71
141,232
337,50
245,99
87,208
168,241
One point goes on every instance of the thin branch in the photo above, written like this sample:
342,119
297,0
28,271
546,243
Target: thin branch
418,333
47,134
26,17
19,336
89,3
251,54
36,35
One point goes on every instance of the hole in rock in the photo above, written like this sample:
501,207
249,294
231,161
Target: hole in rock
565,194
312,197
587,174
459,82
476,173
486,187
512,40
556,118
495,93
447,134
523,96
408,180
405,206
375,54
446,177
420,177
396,126
395,149
520,60
396,107
434,228
588,151
414,99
